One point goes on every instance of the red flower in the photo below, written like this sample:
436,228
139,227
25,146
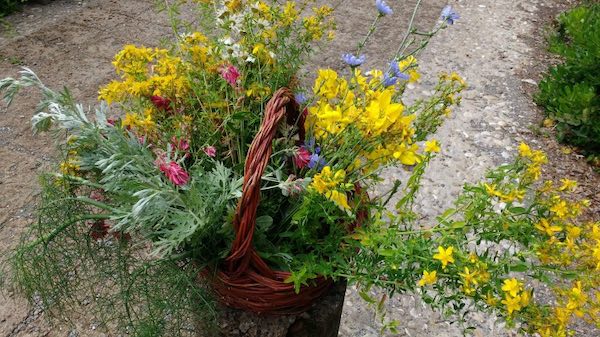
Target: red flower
175,173
302,157
230,74
210,151
181,145
161,103
99,229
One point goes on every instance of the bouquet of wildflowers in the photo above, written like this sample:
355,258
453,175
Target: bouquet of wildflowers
144,199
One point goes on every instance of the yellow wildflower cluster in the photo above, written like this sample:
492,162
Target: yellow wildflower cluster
516,297
364,106
70,166
573,301
146,72
536,159
508,196
475,275
145,123
329,184
319,24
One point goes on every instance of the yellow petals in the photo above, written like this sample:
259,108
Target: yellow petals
547,228
444,255
428,278
338,198
512,303
432,146
525,150
567,185
512,287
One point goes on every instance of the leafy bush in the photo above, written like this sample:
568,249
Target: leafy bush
9,6
570,92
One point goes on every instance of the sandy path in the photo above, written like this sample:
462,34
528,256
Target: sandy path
71,43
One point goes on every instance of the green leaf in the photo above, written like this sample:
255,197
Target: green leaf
366,297
264,223
519,267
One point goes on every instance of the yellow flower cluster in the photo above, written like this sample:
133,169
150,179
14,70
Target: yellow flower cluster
146,72
329,183
70,166
515,296
536,159
508,196
474,276
319,23
364,106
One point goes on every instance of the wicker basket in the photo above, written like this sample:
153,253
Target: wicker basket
245,281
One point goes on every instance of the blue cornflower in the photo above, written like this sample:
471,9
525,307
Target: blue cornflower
383,8
389,80
316,160
300,98
352,60
393,75
449,15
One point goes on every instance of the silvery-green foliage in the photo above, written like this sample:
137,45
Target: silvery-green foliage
56,110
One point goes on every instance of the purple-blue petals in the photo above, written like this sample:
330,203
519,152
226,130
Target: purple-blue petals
353,61
383,8
449,15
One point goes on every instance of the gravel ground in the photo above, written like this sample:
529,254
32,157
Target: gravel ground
72,42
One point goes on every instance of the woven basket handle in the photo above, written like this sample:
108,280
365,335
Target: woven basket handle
281,105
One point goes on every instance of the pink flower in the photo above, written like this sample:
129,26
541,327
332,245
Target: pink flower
175,173
181,145
230,74
210,151
161,103
302,157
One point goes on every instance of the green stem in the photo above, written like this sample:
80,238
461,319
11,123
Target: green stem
409,29
47,238
362,44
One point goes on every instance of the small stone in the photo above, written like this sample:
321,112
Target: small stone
530,81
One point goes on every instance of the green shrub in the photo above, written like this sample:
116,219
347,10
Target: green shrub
9,6
570,92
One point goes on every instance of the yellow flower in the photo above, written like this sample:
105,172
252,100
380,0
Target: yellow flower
490,299
428,278
573,231
544,226
69,167
560,209
468,277
409,64
325,183
326,84
513,303
525,298
131,120
512,287
577,298
432,146
407,154
525,150
338,198
444,255
567,185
